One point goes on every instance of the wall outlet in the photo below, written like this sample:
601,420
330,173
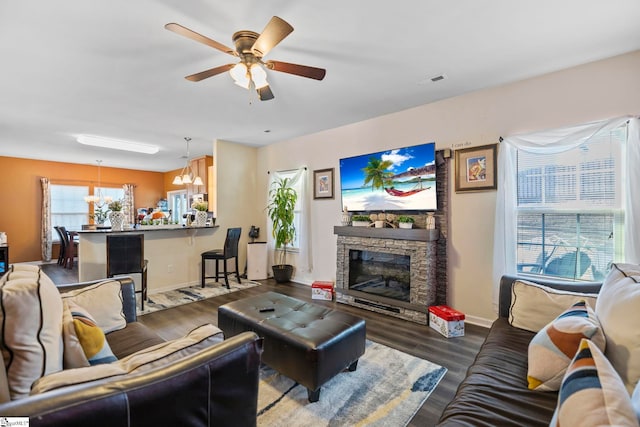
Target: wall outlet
169,268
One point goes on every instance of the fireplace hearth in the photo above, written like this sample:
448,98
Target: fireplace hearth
390,271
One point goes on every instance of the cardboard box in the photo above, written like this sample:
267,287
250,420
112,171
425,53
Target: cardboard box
446,320
322,290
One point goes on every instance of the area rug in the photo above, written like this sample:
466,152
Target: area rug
387,389
168,299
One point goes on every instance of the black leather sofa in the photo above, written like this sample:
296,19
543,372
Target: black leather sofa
494,392
216,386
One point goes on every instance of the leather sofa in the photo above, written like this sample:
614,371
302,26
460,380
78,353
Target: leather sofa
494,391
214,386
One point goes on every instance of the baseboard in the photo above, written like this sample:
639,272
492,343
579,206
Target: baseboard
478,321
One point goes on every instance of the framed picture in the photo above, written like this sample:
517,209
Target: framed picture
477,168
323,184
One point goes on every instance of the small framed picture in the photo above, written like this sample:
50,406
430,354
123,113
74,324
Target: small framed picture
477,168
323,184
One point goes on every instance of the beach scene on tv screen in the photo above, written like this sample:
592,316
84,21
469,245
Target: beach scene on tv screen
396,179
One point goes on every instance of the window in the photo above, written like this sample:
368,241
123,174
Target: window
570,208
68,207
177,204
297,186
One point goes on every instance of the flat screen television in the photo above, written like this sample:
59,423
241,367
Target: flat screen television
400,179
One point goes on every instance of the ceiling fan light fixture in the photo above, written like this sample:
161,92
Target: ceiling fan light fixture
117,144
259,76
239,75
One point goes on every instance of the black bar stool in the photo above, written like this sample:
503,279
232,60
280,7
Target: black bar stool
125,255
230,250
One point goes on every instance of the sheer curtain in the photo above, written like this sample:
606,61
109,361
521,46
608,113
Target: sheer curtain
299,179
552,142
45,229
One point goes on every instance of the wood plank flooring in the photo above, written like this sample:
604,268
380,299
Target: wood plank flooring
456,354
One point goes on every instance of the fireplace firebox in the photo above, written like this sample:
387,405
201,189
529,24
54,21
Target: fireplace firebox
380,273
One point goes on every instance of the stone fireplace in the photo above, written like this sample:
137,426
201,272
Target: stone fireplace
387,270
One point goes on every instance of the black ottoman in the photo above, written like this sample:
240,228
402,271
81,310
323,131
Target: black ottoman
308,343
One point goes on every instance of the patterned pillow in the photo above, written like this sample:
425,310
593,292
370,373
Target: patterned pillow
74,356
154,357
552,349
534,306
617,309
92,339
30,328
592,393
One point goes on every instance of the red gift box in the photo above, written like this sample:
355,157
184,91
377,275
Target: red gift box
322,290
446,320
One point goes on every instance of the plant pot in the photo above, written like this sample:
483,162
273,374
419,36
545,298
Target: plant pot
201,219
116,218
405,224
282,273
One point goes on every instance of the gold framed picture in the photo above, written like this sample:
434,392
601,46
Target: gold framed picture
477,168
323,184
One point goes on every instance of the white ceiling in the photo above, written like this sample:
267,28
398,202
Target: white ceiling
110,68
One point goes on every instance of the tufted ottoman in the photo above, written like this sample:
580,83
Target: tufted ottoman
308,343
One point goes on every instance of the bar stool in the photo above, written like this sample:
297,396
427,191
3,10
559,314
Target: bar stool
125,255
230,250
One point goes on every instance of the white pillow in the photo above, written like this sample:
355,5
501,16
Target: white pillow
533,306
143,361
104,302
618,309
31,333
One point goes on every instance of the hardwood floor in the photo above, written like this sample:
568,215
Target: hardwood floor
456,354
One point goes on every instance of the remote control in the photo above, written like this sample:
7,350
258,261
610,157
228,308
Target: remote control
266,309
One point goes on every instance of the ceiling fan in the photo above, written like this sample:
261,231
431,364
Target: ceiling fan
251,47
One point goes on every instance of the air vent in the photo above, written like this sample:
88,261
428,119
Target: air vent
438,78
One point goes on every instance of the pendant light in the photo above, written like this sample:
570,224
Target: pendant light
187,176
97,198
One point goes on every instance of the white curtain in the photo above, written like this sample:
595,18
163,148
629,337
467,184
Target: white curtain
45,228
298,178
552,142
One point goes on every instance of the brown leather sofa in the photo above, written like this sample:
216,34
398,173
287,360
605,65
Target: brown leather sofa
216,386
494,392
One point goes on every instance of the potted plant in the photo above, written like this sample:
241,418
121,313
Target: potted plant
201,212
116,216
360,221
281,208
405,221
99,216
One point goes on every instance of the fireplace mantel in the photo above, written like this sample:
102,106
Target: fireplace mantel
417,234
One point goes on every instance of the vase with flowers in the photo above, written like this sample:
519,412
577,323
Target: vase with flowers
201,212
116,216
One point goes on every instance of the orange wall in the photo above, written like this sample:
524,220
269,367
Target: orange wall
21,193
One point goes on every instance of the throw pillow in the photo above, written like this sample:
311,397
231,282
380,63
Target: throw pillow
617,310
91,337
635,400
30,329
104,301
533,306
143,361
592,393
73,356
553,347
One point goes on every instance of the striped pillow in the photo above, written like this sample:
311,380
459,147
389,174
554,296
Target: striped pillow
592,393
31,328
553,347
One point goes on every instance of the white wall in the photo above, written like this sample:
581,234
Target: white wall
582,94
234,168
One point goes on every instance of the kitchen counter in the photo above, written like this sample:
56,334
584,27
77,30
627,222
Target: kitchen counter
173,253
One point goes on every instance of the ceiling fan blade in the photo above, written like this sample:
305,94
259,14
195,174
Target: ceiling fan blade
183,31
275,31
209,73
298,70
265,93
